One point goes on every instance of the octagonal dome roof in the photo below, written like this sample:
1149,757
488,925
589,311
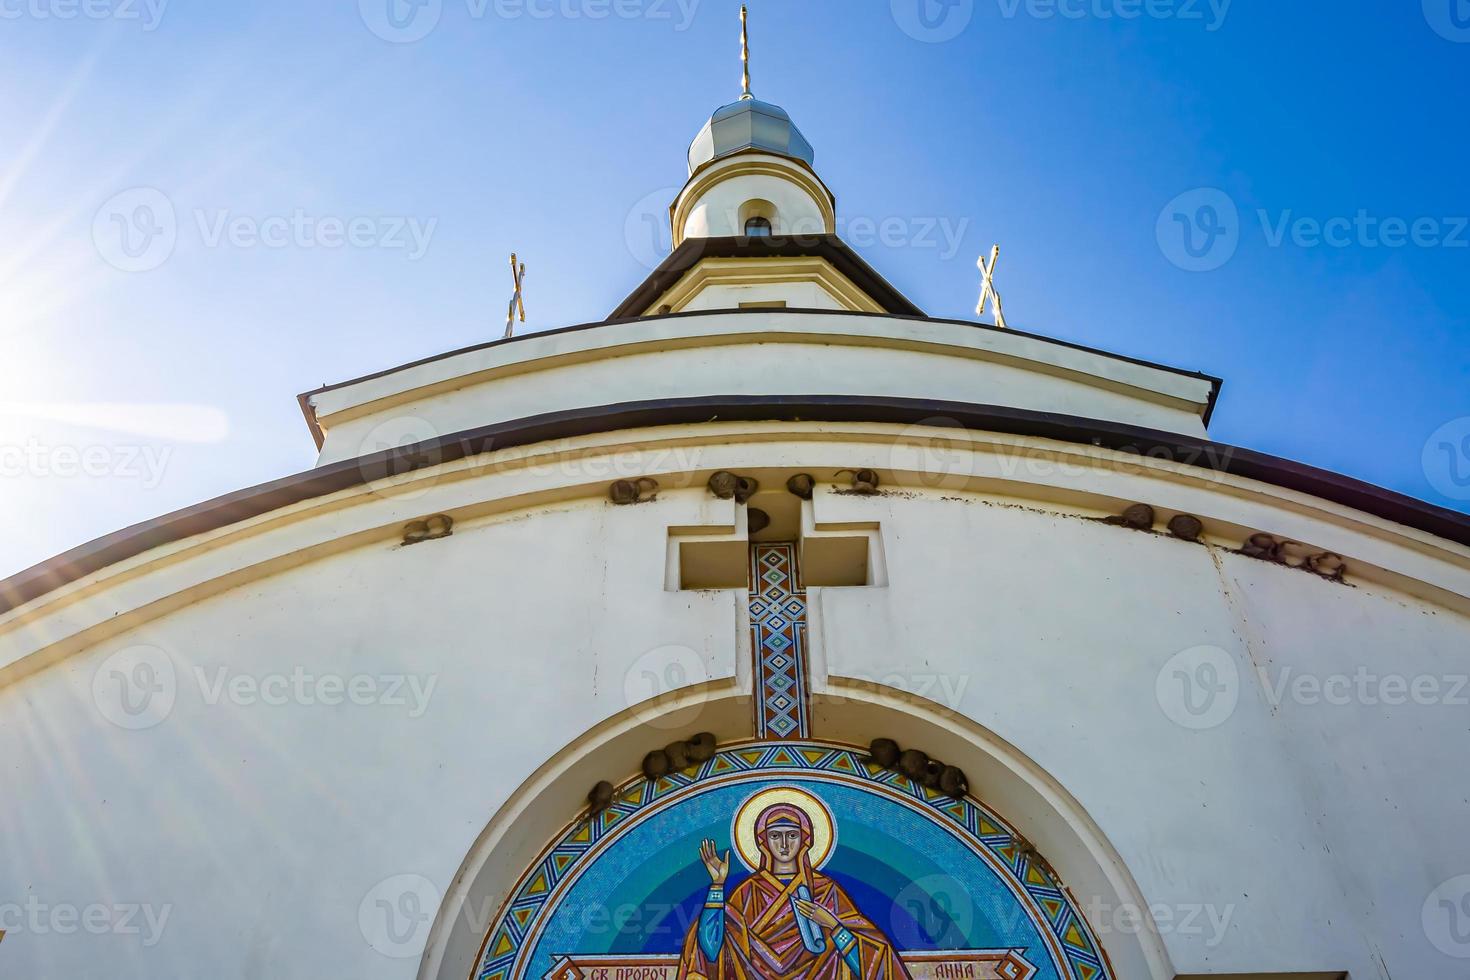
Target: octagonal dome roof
749,124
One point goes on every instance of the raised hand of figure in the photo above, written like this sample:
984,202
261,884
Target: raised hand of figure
718,867
817,913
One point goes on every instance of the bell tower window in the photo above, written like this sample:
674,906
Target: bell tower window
758,227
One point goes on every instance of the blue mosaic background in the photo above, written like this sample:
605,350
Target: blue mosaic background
913,878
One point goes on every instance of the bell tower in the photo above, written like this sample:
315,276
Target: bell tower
755,226
751,174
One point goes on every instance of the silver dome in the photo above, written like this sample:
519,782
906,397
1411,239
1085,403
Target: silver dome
748,125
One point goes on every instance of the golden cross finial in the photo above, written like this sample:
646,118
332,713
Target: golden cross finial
517,301
744,55
988,292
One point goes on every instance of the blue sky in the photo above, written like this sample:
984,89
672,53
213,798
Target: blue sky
1314,153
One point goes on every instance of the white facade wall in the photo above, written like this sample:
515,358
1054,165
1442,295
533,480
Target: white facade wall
1318,829
723,353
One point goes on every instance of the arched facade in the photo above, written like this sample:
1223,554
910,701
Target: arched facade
959,886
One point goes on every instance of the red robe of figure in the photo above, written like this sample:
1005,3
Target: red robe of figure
758,932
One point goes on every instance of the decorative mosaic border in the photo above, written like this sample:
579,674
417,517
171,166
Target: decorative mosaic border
778,638
506,944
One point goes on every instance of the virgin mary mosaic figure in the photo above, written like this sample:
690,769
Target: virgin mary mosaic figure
787,920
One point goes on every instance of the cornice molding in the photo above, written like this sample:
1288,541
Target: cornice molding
260,520
741,272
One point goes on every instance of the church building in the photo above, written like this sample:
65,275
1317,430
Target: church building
766,628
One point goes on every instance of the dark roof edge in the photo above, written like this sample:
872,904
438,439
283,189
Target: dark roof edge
245,504
828,247
305,397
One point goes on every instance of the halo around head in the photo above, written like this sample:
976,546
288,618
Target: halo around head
742,829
